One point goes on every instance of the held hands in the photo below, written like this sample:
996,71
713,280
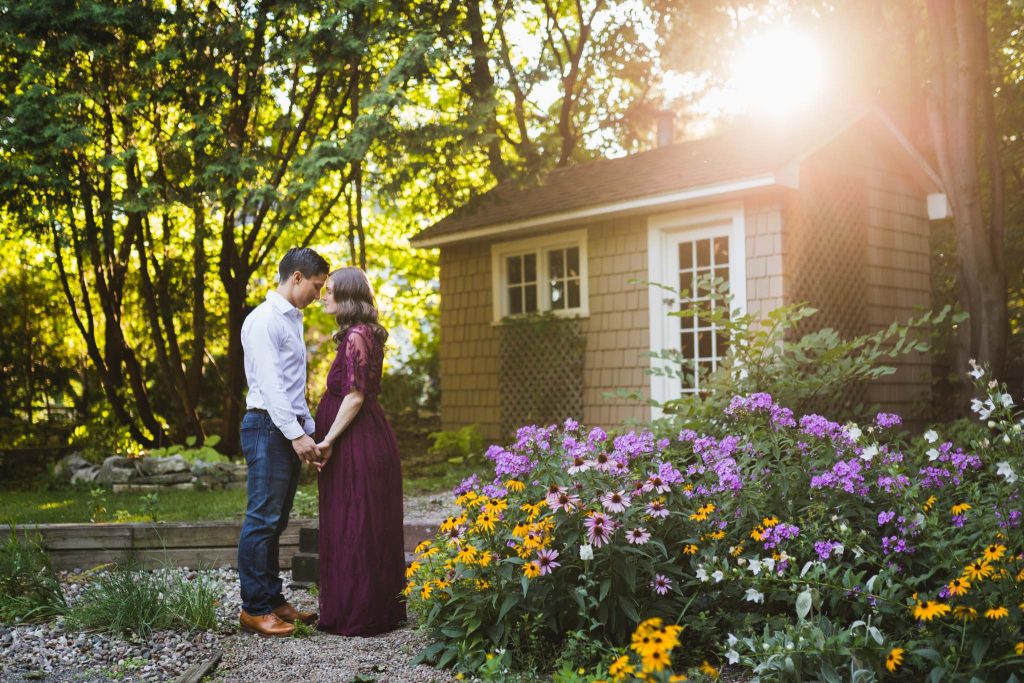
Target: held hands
306,449
325,454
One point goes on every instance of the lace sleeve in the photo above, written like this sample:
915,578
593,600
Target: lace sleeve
357,361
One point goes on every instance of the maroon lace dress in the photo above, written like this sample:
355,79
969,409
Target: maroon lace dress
362,553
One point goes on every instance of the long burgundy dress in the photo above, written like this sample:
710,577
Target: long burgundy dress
362,553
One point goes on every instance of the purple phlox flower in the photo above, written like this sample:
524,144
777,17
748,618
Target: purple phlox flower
958,520
615,501
495,490
508,464
949,466
886,420
669,474
885,516
845,475
466,485
888,483
687,435
599,528
762,403
546,560
597,435
823,428
656,508
1012,521
638,535
826,547
663,444
633,445
775,535
892,545
890,457
661,584
532,438
717,456
570,425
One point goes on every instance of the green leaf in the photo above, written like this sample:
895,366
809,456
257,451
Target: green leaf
803,604
508,603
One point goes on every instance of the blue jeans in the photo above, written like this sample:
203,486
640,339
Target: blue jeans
273,477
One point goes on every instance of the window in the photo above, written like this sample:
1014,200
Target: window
541,274
701,344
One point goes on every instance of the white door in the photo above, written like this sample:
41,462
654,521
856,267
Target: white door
686,248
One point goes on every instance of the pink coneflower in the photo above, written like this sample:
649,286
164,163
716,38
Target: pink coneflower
554,491
599,529
602,463
661,584
655,483
638,536
578,465
615,501
638,487
620,467
546,561
656,508
566,501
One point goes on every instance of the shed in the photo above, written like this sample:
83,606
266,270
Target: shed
834,211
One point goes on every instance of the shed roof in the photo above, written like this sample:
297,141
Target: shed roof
740,159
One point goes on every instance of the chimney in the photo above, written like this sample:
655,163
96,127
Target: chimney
666,120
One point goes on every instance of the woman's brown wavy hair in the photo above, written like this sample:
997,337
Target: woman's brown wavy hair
356,304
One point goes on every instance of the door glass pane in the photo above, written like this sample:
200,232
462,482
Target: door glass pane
685,255
721,251
555,264
530,268
530,304
515,269
573,298
703,253
572,256
515,300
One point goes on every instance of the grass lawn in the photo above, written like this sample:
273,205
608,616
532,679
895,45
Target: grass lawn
77,505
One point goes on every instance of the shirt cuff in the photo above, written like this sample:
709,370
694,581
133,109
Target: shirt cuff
292,430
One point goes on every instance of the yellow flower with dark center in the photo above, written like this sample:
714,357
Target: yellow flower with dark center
929,503
482,584
994,552
422,547
965,613
672,636
758,533
1019,648
717,535
621,668
960,508
1020,575
959,586
485,521
996,613
929,609
531,570
689,549
515,486
426,591
978,570
411,570
531,510
769,522
736,551
698,517
409,588
708,670
656,660
467,555
496,506
484,559
677,678
894,658
429,552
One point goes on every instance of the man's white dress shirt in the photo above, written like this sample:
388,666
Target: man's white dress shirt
275,364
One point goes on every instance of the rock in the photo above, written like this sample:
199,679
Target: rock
116,470
69,464
163,479
85,475
158,466
218,475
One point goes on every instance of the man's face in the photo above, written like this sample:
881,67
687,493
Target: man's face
308,288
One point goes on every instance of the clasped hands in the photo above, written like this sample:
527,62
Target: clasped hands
311,452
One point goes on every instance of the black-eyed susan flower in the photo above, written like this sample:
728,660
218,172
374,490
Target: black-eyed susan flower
689,549
485,521
656,660
515,486
1019,648
708,670
978,570
423,545
929,609
960,508
531,570
932,500
965,613
994,552
769,522
959,586
894,658
621,668
467,555
997,613
411,570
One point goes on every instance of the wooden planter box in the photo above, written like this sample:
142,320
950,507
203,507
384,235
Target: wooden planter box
197,545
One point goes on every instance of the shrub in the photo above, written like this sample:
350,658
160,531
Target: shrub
192,452
128,600
463,445
29,589
795,547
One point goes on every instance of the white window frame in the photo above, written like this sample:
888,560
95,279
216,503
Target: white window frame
540,246
663,232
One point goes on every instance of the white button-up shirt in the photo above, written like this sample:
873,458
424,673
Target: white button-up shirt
275,364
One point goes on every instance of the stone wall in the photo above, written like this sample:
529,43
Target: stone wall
140,475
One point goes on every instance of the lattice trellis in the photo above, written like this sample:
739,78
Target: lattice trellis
541,373
828,243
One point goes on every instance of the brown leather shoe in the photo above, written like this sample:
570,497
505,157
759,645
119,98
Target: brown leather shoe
265,624
288,613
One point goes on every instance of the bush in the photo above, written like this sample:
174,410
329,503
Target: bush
191,452
131,601
29,589
794,547
464,445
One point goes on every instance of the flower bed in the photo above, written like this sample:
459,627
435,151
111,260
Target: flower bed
793,547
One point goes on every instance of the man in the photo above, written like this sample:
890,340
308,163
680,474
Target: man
276,438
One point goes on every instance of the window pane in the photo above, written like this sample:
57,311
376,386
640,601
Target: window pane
721,344
722,273
687,372
703,288
515,300
530,305
555,264
685,255
515,269
557,294
686,344
573,298
704,344
703,253
530,269
572,256
721,251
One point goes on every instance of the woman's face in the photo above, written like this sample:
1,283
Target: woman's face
327,299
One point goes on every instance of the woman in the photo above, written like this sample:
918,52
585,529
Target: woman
362,554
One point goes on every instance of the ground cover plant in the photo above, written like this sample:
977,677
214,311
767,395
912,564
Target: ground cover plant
788,545
29,590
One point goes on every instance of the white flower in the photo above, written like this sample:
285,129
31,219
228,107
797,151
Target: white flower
869,452
933,453
976,370
1006,400
732,656
1006,438
1004,470
931,436
982,408
718,576
755,567
586,552
754,595
732,640
769,562
702,574
854,431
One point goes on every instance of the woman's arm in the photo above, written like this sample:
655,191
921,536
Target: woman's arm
347,412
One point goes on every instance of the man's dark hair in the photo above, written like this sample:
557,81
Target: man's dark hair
304,260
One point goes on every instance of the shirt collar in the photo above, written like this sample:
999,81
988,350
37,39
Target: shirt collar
282,305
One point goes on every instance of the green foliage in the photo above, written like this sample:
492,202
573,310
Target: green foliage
806,371
191,452
97,504
127,600
29,590
151,506
463,445
306,503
